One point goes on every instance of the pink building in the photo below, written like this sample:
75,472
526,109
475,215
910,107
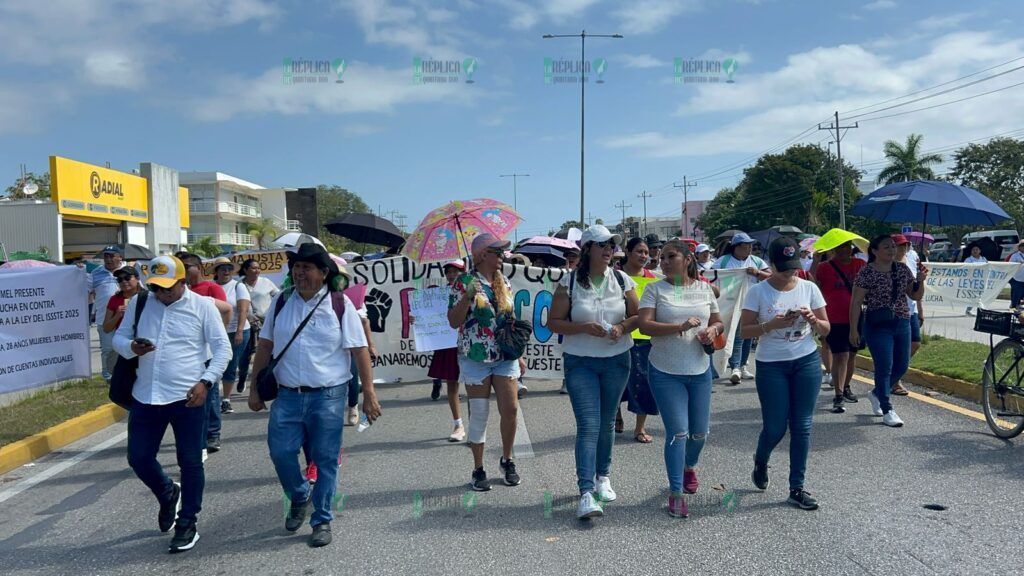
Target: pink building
691,212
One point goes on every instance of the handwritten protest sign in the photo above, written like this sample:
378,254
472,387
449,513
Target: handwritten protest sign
431,330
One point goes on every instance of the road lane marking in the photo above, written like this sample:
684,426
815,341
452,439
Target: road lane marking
934,402
522,448
60,467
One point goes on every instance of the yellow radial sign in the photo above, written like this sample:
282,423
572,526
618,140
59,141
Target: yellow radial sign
81,189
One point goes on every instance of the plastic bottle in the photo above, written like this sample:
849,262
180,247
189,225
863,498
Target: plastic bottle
364,422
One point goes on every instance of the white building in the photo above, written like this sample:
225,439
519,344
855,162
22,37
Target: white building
224,207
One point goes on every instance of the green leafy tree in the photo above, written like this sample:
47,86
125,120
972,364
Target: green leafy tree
332,202
264,232
996,169
906,162
16,190
572,224
204,246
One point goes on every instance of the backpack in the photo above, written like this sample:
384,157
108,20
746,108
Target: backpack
572,283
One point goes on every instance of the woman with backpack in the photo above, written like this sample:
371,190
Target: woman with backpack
595,308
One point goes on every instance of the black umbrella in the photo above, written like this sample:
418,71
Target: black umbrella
727,235
136,252
366,228
550,254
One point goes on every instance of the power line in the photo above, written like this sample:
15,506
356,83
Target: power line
839,154
645,196
943,103
686,218
623,206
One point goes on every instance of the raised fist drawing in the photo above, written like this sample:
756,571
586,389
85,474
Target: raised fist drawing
378,306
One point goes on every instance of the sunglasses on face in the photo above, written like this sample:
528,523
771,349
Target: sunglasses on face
606,244
495,252
124,279
159,289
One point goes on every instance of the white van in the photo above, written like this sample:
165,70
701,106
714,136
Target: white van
1006,239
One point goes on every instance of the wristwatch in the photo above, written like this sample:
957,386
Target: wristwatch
207,383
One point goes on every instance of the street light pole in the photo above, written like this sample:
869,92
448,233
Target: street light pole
515,194
583,94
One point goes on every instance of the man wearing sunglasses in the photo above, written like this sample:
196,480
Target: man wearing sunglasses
175,331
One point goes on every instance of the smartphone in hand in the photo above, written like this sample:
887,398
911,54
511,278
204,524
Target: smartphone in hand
144,342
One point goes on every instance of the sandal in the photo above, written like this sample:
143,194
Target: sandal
643,437
620,426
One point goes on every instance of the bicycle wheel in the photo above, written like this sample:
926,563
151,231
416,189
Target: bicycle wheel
1003,397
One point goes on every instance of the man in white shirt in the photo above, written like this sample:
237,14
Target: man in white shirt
174,330
103,285
1017,282
312,373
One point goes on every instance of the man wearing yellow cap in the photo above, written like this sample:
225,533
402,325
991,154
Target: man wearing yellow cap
170,338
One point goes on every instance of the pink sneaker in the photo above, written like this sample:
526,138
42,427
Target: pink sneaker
677,506
311,473
690,482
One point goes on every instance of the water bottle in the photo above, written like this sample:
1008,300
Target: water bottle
364,422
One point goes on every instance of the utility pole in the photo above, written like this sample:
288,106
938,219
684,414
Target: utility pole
839,154
645,196
623,206
583,93
515,193
686,216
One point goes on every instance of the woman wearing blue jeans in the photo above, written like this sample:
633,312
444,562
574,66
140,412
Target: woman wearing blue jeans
595,309
680,314
785,312
882,287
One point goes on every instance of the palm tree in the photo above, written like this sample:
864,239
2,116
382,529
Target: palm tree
204,246
264,232
905,162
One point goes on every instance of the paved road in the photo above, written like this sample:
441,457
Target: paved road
406,510
955,323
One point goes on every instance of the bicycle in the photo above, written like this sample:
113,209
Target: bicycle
1002,383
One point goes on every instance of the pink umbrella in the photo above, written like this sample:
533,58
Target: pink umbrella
25,264
808,243
447,232
915,237
549,241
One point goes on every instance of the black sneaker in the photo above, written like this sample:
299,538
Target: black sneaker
837,405
435,392
321,535
240,387
212,445
760,476
185,537
225,407
802,499
169,509
849,396
480,483
509,468
297,514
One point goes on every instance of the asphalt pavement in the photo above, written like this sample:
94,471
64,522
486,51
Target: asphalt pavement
404,506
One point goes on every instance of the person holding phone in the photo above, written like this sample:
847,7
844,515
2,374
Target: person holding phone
786,312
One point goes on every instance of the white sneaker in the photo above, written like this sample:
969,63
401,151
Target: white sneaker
826,379
892,419
351,416
604,489
563,390
747,375
876,406
589,507
735,376
205,455
458,435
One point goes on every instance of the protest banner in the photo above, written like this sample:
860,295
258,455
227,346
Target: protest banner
431,331
962,285
44,327
733,286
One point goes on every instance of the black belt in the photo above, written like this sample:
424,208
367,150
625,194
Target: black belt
308,389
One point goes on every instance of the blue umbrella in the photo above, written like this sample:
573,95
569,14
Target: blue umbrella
929,202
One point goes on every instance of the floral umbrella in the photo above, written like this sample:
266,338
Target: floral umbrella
447,232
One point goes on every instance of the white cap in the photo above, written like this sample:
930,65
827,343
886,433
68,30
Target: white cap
702,248
165,271
599,233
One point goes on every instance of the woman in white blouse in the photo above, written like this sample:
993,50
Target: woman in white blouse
680,314
595,309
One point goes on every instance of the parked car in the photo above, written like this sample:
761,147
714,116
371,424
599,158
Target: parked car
1007,240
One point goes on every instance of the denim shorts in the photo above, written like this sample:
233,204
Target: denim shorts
472,372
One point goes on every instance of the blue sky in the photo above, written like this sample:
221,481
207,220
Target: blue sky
197,85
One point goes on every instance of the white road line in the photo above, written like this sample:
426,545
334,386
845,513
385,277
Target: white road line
522,448
60,467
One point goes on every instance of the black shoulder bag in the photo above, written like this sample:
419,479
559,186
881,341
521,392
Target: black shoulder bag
266,382
122,379
510,334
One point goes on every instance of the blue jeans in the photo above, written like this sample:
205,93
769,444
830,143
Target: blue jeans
1016,292
685,404
213,423
889,343
740,351
250,349
788,391
318,417
231,372
354,387
147,424
595,388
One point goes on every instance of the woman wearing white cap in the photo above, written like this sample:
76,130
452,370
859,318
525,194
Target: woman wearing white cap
473,308
738,255
595,309
704,260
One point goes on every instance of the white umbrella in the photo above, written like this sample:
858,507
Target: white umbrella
293,239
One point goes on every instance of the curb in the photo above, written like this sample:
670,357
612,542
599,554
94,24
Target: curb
952,386
28,449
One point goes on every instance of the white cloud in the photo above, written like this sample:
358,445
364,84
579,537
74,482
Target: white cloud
649,16
367,89
933,23
761,110
880,5
639,61
417,29
115,69
742,57
356,130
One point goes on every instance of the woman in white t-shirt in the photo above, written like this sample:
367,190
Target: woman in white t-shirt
595,307
738,255
974,258
238,328
786,312
680,314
